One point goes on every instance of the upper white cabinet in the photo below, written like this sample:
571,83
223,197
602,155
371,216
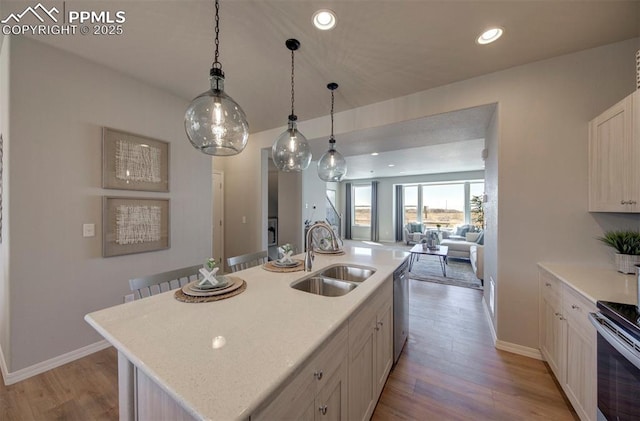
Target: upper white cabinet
614,158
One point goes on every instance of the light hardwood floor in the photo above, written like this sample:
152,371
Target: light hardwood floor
449,370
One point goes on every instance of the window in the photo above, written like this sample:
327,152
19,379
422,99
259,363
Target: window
445,204
362,205
410,204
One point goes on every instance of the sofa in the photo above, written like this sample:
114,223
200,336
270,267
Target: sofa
461,248
472,248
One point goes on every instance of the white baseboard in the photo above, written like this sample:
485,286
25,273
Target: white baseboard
519,349
508,346
25,373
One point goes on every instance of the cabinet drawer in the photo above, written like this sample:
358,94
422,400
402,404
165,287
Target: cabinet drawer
291,403
576,309
550,287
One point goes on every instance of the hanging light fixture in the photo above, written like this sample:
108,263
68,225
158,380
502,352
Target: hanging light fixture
291,151
332,166
214,122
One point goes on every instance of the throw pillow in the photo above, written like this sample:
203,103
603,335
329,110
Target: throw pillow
480,239
415,227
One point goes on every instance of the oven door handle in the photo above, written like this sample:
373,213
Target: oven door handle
623,348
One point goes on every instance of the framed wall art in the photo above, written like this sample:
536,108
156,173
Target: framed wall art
134,162
134,225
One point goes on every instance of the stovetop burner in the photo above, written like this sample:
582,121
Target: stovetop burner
625,315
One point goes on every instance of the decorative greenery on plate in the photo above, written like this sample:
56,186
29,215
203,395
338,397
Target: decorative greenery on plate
624,241
211,263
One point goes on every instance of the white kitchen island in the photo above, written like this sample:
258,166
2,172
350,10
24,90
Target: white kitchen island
270,331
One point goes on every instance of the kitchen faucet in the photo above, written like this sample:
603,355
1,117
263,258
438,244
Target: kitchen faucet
308,261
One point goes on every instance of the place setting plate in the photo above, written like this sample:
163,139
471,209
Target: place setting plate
230,284
277,266
333,252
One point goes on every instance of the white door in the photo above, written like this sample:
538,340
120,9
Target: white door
218,217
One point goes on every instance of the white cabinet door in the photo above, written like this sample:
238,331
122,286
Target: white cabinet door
370,352
580,385
362,367
612,159
384,345
552,337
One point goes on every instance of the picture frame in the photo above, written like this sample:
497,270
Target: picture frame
272,231
134,225
134,162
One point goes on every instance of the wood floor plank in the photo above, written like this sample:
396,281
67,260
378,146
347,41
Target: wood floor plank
457,373
449,370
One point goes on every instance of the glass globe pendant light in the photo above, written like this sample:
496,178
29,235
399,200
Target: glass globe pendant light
214,122
291,151
332,165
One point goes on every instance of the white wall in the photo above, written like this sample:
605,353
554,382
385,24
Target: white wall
314,193
544,108
5,316
59,103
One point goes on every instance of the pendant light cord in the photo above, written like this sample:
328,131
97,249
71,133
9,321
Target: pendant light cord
332,140
292,85
216,64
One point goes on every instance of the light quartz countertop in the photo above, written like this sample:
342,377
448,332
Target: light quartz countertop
597,283
270,329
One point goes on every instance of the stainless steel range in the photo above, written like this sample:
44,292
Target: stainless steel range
618,327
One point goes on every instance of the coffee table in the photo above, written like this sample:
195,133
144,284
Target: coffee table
441,252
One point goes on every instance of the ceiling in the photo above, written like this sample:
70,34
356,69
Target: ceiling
379,50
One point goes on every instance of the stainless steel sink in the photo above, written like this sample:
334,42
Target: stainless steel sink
347,273
324,286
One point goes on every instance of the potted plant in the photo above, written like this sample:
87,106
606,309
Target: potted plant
627,245
477,211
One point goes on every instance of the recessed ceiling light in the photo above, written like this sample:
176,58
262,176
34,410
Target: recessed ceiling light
374,154
391,165
324,19
490,35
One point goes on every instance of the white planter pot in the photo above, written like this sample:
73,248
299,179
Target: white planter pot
625,263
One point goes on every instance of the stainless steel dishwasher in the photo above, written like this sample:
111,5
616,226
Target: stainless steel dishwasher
400,309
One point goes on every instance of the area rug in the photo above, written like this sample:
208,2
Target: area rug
459,272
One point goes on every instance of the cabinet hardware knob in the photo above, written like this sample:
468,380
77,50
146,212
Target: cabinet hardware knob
562,318
381,323
632,202
376,328
323,409
556,313
547,284
623,202
318,375
575,307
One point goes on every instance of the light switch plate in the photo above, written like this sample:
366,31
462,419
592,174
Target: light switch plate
88,230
